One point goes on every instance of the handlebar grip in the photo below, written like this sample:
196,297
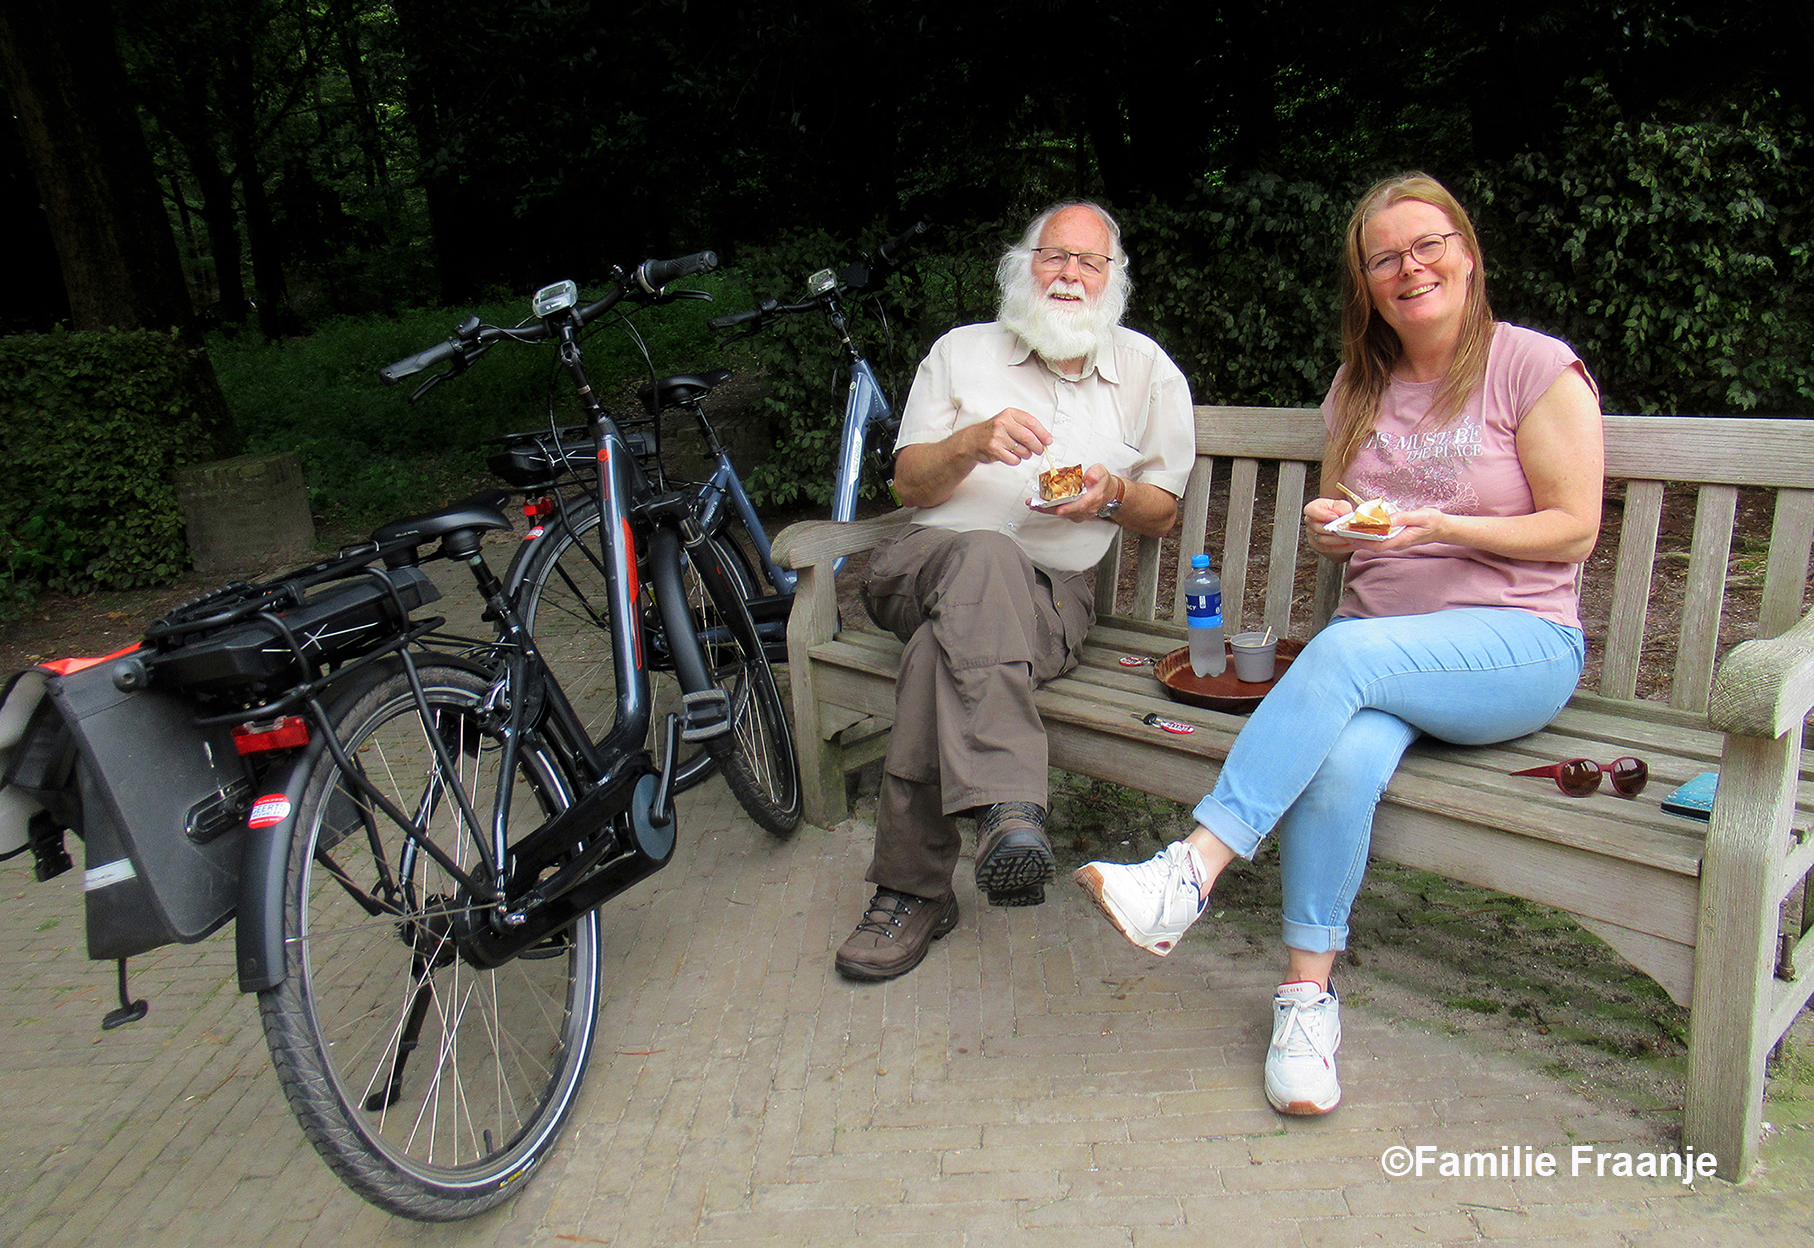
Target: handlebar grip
391,374
730,319
652,275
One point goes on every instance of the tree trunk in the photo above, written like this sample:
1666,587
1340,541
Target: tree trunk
94,174
88,156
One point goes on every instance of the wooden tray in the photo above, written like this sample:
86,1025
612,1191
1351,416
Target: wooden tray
1219,693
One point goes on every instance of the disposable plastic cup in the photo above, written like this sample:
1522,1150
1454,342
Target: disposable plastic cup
1256,657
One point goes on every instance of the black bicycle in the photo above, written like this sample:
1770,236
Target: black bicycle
413,829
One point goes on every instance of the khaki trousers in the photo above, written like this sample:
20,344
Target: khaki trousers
983,629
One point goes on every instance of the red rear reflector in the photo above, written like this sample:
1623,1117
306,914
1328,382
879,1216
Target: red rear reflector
279,734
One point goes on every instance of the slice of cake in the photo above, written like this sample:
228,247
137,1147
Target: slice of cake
1061,482
1372,516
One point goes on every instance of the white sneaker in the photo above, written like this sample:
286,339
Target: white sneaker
1300,1063
1151,902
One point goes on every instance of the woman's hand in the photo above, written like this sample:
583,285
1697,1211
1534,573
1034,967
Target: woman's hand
1319,514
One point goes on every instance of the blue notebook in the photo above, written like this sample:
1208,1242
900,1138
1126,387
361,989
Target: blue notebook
1694,799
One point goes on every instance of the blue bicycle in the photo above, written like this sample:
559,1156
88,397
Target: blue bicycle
556,580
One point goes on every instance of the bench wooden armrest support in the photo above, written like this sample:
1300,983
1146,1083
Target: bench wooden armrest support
1761,698
1766,687
1697,906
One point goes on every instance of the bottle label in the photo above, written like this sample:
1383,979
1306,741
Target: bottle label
1203,609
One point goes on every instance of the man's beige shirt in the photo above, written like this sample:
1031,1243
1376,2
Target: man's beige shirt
1129,411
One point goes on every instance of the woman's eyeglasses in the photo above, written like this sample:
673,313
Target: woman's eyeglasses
1580,777
1426,250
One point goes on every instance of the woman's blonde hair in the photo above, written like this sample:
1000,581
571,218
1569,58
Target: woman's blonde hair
1371,348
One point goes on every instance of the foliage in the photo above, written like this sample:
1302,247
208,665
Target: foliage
803,363
91,427
1675,257
1238,282
370,455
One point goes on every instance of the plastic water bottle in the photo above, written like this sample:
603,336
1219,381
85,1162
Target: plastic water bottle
1203,613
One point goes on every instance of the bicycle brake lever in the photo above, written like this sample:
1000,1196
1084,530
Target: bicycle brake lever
428,385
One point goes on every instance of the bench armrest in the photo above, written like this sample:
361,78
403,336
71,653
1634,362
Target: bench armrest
1766,687
809,542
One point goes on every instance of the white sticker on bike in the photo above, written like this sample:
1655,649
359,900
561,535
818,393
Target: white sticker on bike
267,810
116,872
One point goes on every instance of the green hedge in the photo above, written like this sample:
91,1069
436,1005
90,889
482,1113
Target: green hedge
91,427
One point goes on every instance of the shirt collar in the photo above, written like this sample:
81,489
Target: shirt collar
1103,361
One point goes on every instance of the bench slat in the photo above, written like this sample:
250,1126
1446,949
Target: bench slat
1631,588
1786,577
1193,524
1231,561
1703,597
1287,529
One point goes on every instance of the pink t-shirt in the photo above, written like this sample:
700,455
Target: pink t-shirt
1467,467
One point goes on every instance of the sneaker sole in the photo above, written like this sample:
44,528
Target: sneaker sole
1304,1109
1089,879
871,975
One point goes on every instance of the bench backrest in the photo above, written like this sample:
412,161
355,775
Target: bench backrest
1247,456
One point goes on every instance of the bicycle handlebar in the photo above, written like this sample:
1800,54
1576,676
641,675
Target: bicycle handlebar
652,275
472,338
859,278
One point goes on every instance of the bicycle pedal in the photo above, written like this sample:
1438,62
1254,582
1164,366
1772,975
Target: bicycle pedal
705,715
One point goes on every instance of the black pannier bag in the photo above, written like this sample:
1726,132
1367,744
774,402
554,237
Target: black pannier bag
161,804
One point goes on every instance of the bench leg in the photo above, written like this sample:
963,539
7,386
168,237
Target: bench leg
813,620
1735,951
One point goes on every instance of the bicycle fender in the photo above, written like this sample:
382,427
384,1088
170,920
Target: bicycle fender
264,858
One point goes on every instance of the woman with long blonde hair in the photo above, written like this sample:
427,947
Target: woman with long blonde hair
1460,621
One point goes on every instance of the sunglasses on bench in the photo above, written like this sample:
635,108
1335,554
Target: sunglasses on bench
1580,777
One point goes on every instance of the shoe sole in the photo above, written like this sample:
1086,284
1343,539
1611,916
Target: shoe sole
1089,879
1016,871
1304,1109
869,975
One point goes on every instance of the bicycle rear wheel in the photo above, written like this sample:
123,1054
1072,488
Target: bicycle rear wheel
431,1087
563,602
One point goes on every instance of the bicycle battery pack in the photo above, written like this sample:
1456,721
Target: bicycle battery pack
526,466
254,660
160,799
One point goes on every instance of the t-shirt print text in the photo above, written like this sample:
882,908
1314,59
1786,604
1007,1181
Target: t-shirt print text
1459,442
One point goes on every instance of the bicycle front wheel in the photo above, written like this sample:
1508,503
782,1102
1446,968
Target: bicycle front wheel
563,603
432,1088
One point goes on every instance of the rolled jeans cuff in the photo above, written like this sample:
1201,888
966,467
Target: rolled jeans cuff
1227,828
1311,938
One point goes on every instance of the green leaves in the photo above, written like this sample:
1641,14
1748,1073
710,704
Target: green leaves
91,425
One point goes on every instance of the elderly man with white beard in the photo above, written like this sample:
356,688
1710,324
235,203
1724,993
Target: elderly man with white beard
992,595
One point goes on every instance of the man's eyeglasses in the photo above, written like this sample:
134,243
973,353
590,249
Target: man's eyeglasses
1579,777
1055,259
1426,250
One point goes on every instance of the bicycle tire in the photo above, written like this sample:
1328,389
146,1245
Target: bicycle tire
762,769
459,1124
563,604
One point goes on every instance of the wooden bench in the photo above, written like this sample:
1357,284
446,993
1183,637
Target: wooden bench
1697,906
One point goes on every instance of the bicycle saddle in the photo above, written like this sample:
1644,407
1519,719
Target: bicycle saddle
481,511
670,391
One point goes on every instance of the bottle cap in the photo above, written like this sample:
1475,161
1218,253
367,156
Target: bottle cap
1199,561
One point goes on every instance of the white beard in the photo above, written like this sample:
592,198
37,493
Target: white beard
1058,330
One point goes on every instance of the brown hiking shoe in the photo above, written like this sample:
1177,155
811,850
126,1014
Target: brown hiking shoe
1013,857
894,935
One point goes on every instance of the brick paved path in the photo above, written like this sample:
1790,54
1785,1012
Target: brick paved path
1036,1080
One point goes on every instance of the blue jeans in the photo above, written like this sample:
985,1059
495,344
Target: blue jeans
1319,750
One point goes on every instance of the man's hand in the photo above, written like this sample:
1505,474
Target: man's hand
927,473
1098,488
1011,436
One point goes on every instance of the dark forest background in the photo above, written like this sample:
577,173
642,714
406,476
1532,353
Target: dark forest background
1640,173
